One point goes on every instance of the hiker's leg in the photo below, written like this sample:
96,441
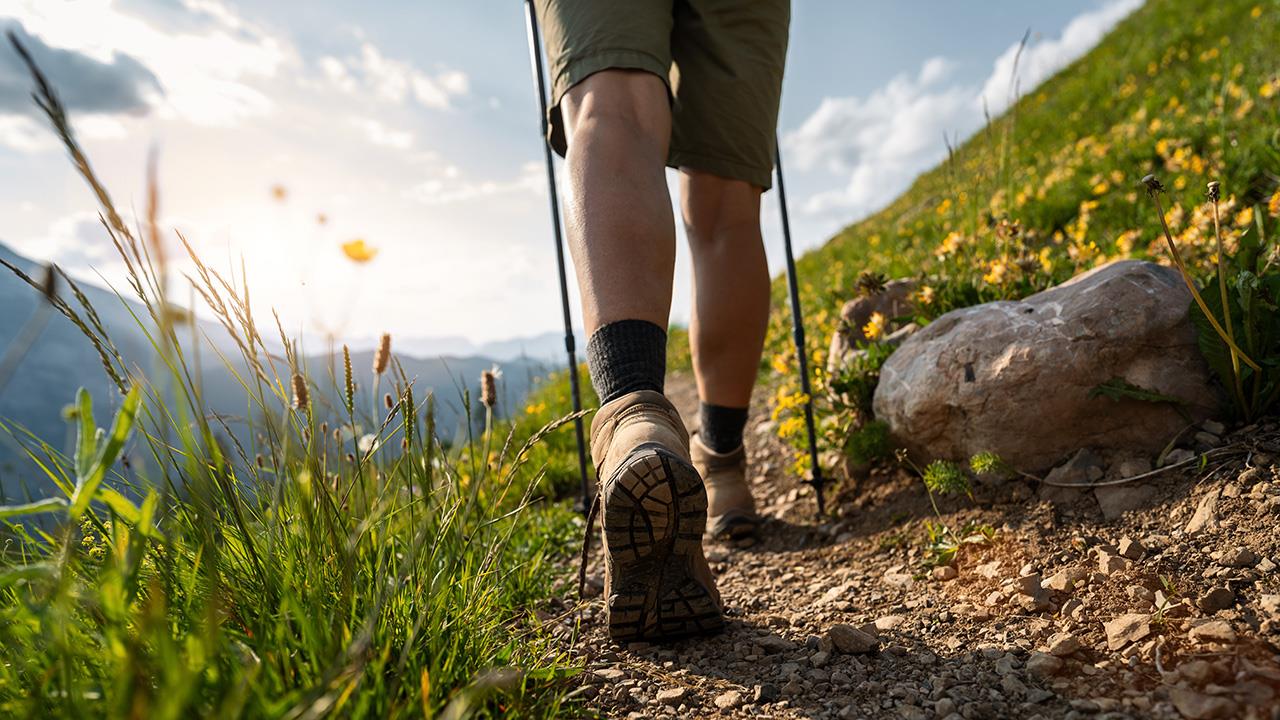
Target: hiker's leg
731,285
726,334
621,229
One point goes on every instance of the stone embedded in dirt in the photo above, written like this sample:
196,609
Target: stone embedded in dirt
956,387
1265,565
1029,584
1213,631
1116,500
1043,665
1197,671
850,640
766,693
1132,467
1131,548
728,700
672,696
1066,580
894,301
1240,557
774,644
1063,644
1207,439
1177,456
1219,598
945,572
1071,607
1109,564
989,570
1199,706
1269,604
1126,629
1206,515
889,622
1061,485
894,577
1214,427
610,674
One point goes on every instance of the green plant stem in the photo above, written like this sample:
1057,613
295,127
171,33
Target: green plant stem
1186,277
1238,386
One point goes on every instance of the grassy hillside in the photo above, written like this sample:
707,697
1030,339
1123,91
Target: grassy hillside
1186,89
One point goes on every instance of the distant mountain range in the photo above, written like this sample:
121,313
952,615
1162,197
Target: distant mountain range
547,347
61,360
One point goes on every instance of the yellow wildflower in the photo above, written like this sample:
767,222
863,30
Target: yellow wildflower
359,251
1101,187
1244,218
996,272
791,427
874,327
1273,205
1256,12
925,296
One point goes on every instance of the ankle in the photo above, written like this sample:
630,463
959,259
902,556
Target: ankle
625,357
721,427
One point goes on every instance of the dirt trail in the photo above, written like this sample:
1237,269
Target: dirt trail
1139,618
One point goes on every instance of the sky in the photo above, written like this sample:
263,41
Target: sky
413,125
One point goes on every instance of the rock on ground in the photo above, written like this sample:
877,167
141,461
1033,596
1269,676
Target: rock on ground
956,387
893,301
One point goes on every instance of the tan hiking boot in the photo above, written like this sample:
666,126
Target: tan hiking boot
731,511
657,583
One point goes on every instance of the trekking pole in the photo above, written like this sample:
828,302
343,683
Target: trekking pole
535,43
815,480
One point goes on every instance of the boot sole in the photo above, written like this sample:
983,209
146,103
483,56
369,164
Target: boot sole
655,511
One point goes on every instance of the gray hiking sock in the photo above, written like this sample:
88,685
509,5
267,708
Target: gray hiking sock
720,427
627,356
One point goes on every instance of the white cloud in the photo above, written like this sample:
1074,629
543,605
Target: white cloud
449,189
394,81
383,136
1039,61
885,140
207,75
881,141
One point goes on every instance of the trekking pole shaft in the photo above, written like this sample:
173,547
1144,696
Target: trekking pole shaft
535,56
797,334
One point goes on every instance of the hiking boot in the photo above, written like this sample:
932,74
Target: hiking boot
731,509
657,583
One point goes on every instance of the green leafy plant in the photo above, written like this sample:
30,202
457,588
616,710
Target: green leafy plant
1237,311
943,477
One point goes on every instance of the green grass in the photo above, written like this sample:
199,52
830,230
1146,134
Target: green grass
291,571
1186,89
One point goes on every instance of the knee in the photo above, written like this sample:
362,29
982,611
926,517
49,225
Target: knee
718,210
626,108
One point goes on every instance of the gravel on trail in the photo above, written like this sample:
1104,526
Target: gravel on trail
1169,611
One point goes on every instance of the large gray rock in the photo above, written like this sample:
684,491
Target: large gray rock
1014,377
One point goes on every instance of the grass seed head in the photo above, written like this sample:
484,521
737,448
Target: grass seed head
489,388
349,384
301,396
382,357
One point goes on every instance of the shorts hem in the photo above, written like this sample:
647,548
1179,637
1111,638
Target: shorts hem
731,169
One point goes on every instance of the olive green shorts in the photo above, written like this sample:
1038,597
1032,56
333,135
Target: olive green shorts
721,60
